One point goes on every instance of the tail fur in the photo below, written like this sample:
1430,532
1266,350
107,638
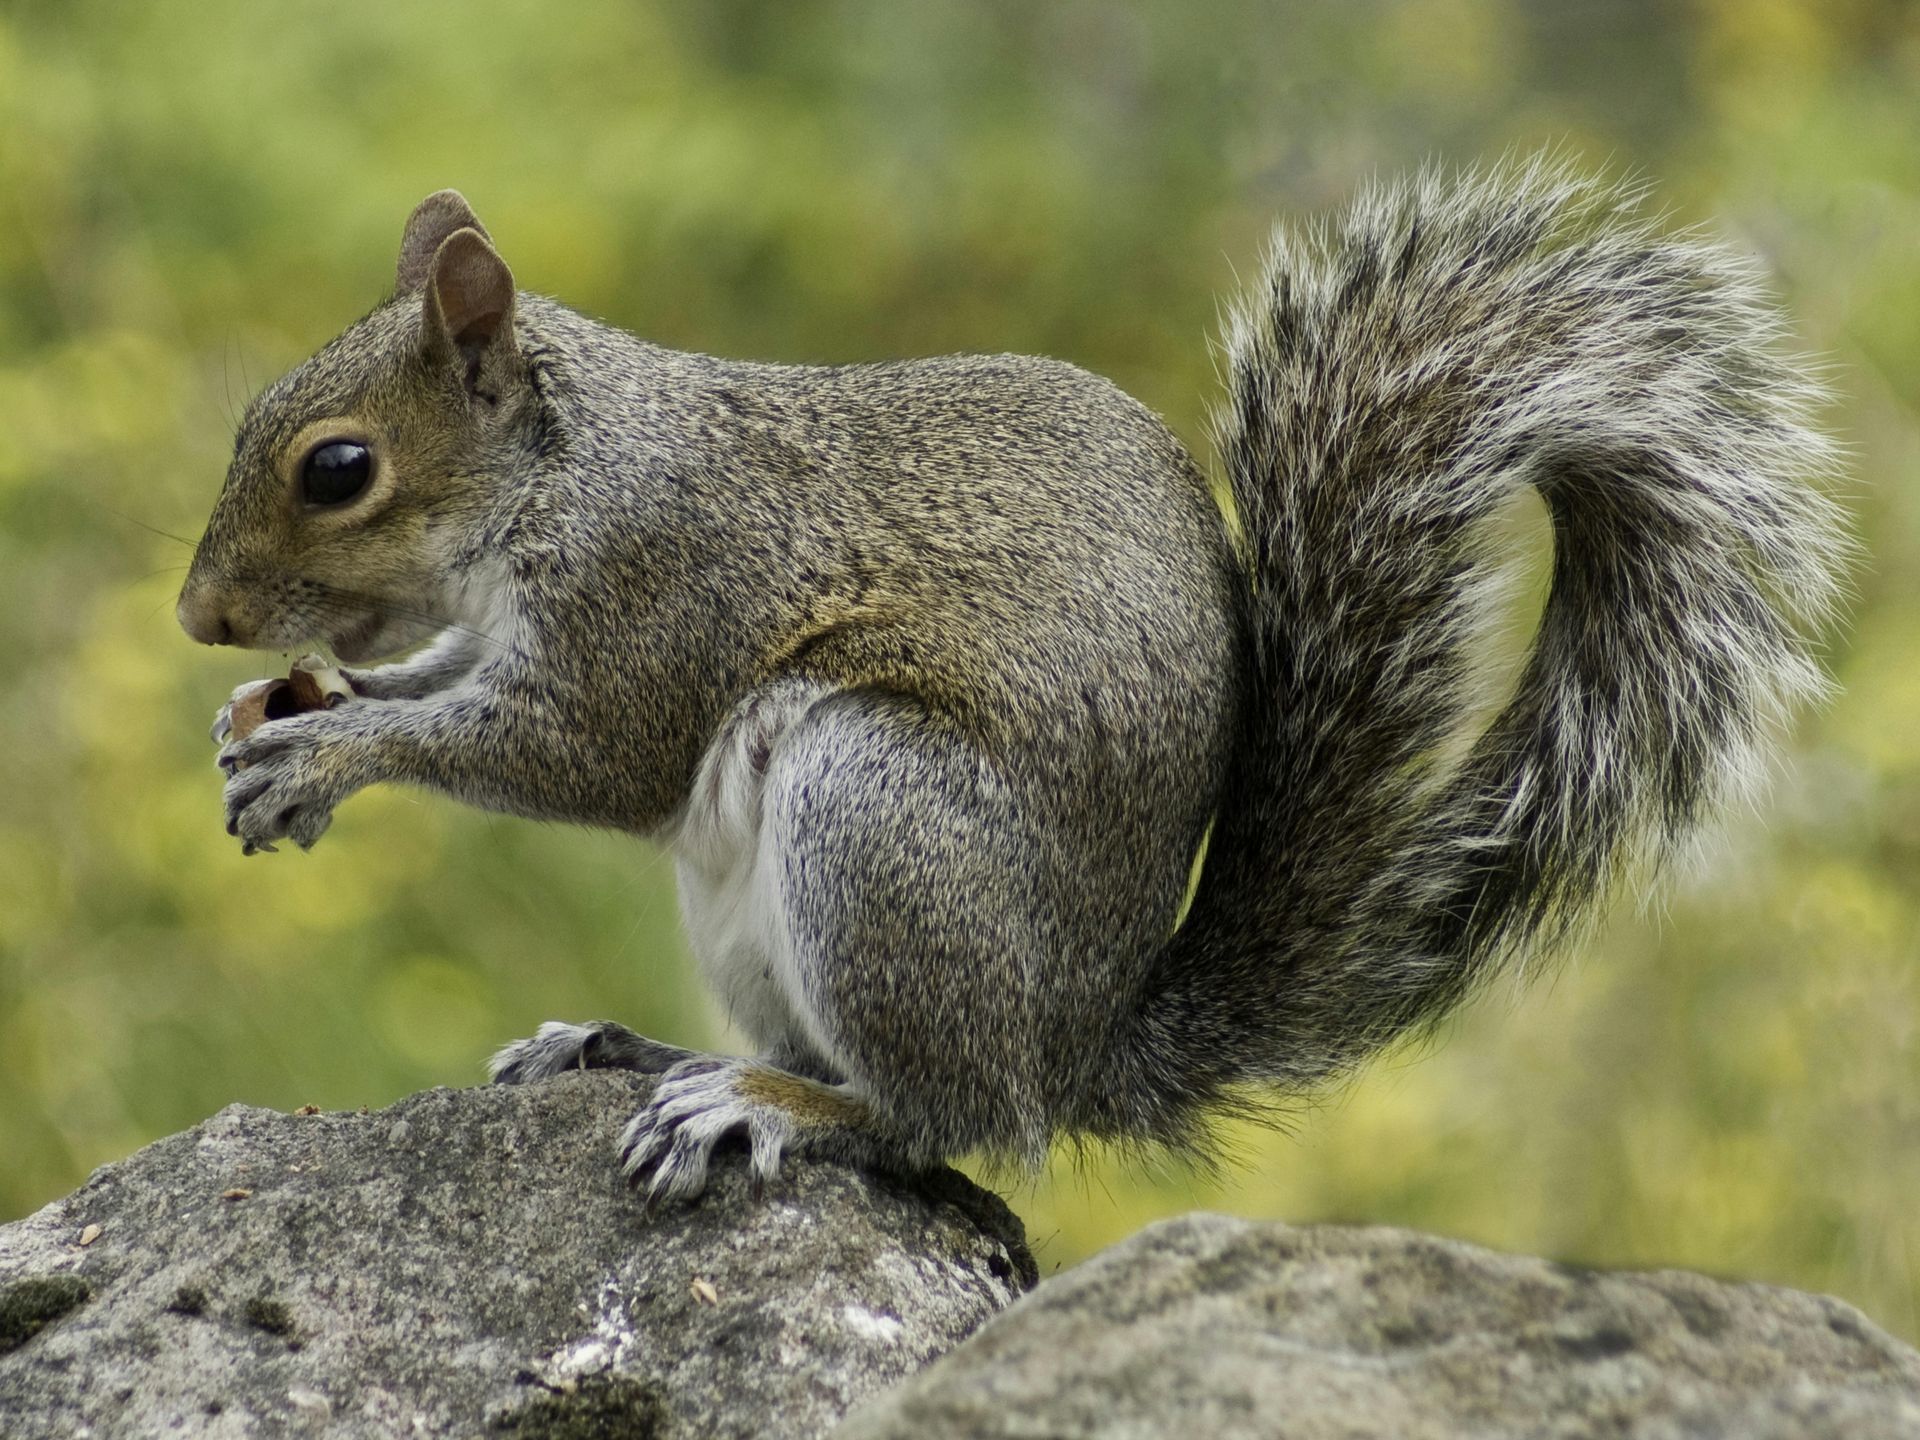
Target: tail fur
1391,382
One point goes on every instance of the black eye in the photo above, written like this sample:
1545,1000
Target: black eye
336,472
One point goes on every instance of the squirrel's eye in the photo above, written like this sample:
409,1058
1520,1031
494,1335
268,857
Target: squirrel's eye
335,472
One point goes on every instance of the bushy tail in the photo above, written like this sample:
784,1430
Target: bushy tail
1391,382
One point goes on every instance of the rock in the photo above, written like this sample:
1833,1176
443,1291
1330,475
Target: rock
468,1262
1219,1328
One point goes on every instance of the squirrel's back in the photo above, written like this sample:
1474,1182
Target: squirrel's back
898,514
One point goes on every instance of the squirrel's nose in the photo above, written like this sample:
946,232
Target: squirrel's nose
204,621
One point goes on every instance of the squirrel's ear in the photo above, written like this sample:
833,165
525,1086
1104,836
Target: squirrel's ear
468,310
432,221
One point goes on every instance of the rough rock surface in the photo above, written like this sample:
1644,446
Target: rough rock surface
1218,1328
468,1263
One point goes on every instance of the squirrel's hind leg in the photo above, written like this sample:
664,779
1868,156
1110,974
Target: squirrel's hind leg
899,928
598,1045
920,930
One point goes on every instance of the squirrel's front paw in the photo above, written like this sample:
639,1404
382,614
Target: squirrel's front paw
284,781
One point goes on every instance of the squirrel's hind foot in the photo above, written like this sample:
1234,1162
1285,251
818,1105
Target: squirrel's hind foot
597,1045
667,1147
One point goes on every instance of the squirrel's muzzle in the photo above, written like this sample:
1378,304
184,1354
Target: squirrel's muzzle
204,617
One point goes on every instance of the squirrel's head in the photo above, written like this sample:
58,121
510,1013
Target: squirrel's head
360,480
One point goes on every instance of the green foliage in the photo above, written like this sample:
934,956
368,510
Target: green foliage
197,195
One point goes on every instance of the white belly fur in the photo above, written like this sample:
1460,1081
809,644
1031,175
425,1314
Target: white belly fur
731,867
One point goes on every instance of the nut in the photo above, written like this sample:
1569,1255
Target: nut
312,684
317,685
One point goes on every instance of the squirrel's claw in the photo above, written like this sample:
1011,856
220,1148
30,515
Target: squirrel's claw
554,1048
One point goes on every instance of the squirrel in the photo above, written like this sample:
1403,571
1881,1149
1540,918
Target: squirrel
935,675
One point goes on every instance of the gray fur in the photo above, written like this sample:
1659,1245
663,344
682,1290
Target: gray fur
1392,381
1018,665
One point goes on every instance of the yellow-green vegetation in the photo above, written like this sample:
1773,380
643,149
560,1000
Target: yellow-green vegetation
193,196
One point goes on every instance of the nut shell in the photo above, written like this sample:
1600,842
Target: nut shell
258,703
312,684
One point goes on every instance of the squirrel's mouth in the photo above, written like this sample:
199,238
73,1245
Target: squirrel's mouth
361,642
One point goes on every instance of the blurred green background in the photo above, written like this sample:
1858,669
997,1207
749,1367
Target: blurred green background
194,196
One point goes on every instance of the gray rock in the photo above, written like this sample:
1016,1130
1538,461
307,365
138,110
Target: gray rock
468,1262
1207,1328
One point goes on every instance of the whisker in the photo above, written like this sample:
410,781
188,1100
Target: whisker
226,381
150,529
163,534
340,599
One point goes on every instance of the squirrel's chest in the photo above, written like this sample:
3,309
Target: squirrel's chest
731,863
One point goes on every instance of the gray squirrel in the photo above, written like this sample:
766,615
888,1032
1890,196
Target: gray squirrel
934,675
